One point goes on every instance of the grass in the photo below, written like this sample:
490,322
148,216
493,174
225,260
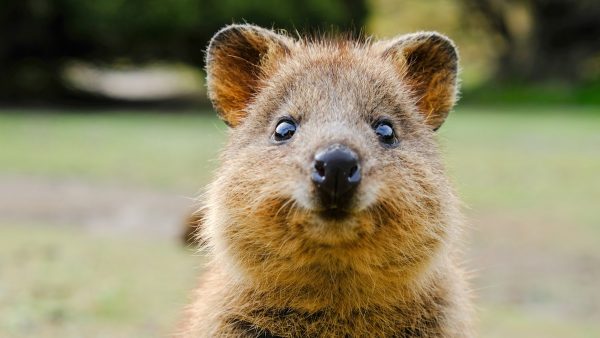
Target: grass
529,178
60,282
541,163
548,95
162,150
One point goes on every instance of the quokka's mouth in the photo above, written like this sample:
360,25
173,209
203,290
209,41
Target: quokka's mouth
334,214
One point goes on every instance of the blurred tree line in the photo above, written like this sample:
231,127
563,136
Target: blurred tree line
37,37
541,40
512,51
528,42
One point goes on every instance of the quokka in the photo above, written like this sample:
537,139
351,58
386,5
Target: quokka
331,214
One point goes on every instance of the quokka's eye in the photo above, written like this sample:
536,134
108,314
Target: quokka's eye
385,132
285,130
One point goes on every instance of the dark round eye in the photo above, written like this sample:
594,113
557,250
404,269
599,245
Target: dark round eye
284,131
385,132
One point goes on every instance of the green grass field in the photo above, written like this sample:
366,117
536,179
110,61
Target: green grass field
528,176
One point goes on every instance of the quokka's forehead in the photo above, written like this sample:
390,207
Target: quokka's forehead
338,56
341,77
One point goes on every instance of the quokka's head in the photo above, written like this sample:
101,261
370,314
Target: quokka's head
331,156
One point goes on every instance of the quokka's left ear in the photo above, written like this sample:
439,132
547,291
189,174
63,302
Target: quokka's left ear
237,59
428,63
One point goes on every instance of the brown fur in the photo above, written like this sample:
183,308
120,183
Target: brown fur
192,229
279,269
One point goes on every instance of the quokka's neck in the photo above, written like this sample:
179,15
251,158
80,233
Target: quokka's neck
312,291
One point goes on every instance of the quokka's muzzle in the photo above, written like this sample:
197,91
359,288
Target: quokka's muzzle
336,174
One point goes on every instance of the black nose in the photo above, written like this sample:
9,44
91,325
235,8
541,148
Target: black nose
336,173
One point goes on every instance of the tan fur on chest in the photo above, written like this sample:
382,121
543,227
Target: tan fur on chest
331,215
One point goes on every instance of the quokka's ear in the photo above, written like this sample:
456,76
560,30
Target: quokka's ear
237,58
428,62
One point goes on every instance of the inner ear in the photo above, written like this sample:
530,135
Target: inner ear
428,64
238,58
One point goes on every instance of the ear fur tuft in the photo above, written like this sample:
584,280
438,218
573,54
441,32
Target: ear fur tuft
236,59
428,62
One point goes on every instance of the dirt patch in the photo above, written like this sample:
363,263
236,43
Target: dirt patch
95,207
523,261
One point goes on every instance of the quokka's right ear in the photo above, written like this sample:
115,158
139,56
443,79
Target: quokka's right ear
237,59
428,64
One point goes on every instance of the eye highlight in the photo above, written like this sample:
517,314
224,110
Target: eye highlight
285,129
385,132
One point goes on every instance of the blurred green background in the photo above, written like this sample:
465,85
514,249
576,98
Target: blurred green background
106,137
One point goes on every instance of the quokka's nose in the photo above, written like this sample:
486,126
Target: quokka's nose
336,174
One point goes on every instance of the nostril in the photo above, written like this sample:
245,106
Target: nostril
352,171
318,174
320,168
354,174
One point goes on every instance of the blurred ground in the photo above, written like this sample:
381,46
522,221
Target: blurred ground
90,204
